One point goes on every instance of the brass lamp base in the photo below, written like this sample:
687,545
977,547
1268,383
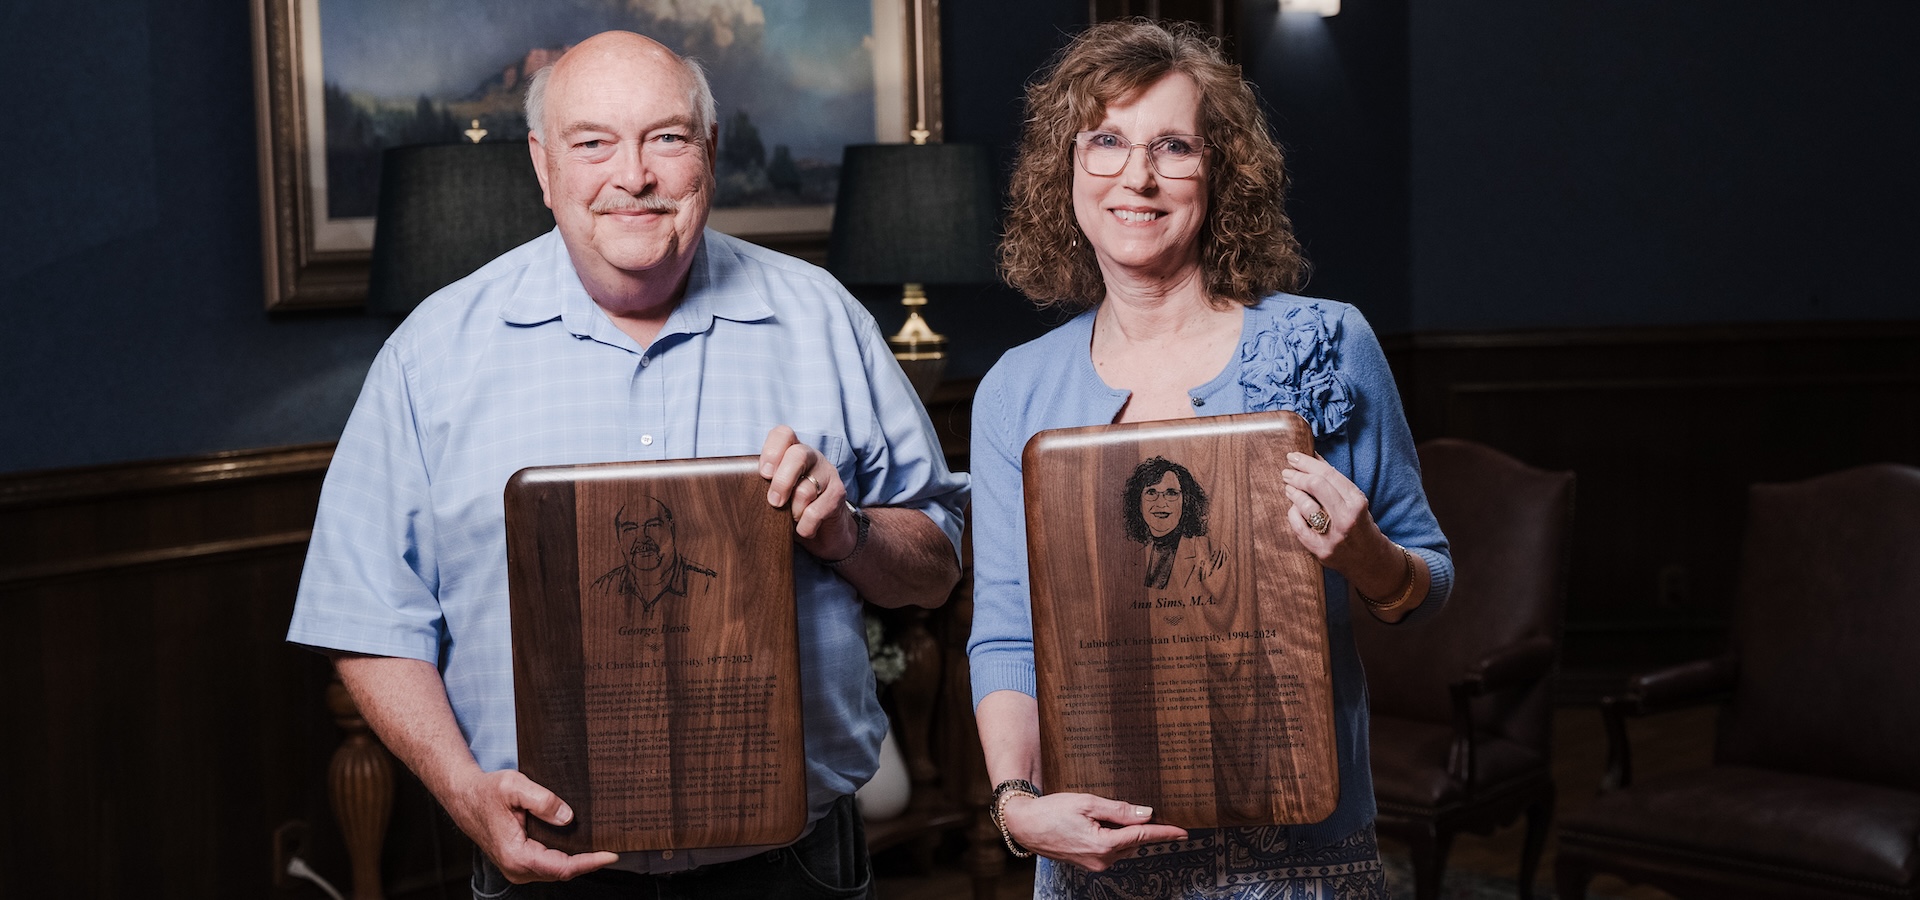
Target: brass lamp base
922,353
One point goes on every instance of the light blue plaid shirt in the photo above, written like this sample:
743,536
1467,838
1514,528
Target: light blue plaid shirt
515,366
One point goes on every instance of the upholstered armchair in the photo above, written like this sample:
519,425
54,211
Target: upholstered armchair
1814,790
1461,705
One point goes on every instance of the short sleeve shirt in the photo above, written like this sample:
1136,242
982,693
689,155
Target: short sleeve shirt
515,366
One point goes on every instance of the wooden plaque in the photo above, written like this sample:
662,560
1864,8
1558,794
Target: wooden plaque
656,663
1179,628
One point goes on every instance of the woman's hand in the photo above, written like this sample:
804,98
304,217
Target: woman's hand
1346,538
1090,832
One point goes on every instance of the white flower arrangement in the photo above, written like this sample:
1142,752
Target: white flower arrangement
888,660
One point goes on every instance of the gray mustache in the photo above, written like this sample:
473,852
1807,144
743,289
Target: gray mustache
653,203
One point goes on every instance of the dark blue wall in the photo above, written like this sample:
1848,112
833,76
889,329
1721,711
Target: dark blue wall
1646,162
130,275
1336,89
988,51
1486,164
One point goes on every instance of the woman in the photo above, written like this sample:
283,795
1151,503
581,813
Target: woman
1148,199
1167,513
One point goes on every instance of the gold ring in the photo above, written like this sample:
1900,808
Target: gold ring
818,488
1318,521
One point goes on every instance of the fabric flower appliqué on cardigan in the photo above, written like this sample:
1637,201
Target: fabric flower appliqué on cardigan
1291,364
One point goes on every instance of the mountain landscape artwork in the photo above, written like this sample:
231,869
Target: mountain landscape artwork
794,80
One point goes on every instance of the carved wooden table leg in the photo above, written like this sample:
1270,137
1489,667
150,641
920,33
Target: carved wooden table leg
986,854
914,697
360,781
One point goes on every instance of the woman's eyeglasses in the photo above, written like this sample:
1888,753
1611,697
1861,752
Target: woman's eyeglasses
1171,155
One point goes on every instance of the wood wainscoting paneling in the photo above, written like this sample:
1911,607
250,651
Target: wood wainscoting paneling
162,738
1666,428
160,730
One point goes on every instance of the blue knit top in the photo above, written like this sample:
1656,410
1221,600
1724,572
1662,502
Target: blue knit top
1315,357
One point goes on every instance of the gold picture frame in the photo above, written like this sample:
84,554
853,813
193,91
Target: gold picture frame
312,261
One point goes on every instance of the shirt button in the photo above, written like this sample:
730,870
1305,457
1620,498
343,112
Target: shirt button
645,361
646,440
1197,401
666,854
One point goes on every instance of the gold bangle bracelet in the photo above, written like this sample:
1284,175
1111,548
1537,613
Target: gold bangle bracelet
1405,592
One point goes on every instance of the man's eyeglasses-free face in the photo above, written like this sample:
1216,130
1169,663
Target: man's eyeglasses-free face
1103,153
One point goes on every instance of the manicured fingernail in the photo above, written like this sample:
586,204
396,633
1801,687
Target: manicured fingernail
565,815
1143,811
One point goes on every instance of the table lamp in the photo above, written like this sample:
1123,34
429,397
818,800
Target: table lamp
915,215
446,210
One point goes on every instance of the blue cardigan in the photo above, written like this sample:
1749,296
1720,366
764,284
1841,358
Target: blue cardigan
1315,357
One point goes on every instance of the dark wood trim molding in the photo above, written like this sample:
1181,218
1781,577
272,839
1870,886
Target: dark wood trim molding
28,489
66,524
145,605
208,552
1643,335
1666,427
143,615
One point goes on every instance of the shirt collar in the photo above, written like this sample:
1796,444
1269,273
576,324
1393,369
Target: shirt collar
551,290
718,287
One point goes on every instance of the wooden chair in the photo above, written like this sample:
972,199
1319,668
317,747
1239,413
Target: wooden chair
1814,790
1460,704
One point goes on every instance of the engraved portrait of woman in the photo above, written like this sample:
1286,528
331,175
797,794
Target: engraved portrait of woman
1166,510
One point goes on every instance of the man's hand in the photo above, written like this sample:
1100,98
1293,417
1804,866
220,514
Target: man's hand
488,806
808,484
1090,832
406,703
906,560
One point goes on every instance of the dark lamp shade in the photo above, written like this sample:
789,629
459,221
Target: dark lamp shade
914,213
446,210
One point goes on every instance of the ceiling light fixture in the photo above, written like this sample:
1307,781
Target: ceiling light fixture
1321,8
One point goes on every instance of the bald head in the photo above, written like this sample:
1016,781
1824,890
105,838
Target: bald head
618,52
622,139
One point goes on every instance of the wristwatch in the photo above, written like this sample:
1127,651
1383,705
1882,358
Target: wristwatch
997,808
862,523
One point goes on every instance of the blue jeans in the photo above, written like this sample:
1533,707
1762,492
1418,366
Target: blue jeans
830,863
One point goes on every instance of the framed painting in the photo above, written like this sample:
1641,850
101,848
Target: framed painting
336,82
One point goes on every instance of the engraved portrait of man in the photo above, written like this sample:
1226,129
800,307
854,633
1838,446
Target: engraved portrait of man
1166,510
653,567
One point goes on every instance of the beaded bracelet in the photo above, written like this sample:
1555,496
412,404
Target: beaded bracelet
998,810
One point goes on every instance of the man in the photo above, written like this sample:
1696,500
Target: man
653,566
627,333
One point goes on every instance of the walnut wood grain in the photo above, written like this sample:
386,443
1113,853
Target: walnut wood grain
667,715
1208,696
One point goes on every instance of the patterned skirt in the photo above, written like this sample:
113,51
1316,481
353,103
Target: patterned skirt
1237,863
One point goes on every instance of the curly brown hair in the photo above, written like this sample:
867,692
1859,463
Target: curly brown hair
1247,247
